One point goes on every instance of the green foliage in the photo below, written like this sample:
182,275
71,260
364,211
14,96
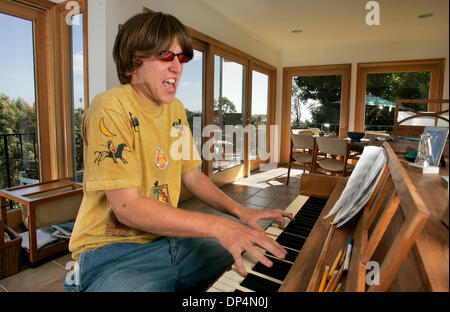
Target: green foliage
77,124
326,90
18,129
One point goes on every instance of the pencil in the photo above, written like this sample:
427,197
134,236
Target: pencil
341,262
338,279
338,288
324,279
331,282
334,266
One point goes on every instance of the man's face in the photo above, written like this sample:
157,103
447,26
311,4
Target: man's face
157,80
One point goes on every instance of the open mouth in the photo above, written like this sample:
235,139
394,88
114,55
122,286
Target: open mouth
170,85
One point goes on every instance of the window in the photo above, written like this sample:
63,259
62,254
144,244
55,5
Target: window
380,84
260,106
19,158
190,93
78,93
229,98
37,71
320,95
316,103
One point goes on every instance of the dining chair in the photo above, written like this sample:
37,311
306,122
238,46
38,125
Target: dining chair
301,151
337,151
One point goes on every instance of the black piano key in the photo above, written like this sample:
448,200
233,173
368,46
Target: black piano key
301,224
278,270
294,242
297,231
306,216
256,283
297,226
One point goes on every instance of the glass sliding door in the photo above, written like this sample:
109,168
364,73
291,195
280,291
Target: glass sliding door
259,117
19,156
78,93
191,93
229,101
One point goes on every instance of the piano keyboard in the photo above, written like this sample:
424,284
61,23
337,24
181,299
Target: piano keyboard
261,278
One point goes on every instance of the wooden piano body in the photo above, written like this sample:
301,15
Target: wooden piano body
399,228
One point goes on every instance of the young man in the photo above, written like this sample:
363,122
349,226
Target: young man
129,234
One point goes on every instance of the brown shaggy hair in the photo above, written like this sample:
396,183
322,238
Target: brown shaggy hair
144,35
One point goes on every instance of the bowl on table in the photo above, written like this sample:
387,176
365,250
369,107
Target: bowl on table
355,136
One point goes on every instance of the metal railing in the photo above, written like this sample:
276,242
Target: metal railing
15,150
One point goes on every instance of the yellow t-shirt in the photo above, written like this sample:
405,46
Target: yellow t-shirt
129,143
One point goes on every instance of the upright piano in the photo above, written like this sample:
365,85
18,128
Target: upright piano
402,229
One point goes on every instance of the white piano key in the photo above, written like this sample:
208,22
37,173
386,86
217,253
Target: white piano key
233,279
249,262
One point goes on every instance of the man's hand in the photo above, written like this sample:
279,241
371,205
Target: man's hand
252,216
238,238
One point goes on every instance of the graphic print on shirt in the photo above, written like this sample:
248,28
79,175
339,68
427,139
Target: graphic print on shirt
112,152
134,122
178,125
105,130
161,159
117,230
161,193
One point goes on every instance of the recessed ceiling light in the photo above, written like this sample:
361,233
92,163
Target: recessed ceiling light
296,31
426,15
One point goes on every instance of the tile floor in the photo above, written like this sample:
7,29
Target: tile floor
262,190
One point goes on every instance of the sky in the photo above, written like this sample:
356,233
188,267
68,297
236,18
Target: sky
190,89
17,60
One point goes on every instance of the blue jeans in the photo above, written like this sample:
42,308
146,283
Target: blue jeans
166,265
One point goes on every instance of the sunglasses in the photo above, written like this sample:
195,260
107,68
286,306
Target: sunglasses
168,56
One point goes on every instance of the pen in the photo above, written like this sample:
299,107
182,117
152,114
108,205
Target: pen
324,278
347,256
334,266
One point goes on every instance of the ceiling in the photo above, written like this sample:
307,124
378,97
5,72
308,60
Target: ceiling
326,23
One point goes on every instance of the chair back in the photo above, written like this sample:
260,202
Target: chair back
316,131
332,146
302,141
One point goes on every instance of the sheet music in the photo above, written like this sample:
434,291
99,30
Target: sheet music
360,186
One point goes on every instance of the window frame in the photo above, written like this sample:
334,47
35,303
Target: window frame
52,76
436,66
315,70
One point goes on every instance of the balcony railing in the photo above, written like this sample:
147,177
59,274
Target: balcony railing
18,152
